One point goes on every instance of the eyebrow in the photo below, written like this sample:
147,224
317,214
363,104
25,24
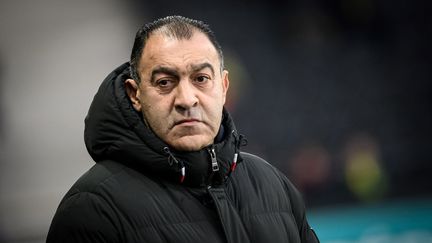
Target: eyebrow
163,70
174,72
199,67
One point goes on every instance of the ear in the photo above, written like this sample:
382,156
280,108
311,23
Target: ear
225,84
133,91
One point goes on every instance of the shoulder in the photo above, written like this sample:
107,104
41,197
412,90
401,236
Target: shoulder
264,175
96,178
265,170
83,218
255,180
255,160
260,167
85,213
103,185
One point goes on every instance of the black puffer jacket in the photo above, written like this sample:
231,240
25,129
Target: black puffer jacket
137,191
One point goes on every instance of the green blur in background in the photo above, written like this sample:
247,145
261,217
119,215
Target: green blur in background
407,221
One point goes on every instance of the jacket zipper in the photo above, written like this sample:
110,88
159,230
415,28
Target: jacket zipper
214,163
214,166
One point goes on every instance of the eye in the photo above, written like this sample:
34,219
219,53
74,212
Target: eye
164,84
202,79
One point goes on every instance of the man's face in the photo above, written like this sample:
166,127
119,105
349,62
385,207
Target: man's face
182,90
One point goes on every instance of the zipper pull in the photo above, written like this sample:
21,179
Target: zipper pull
215,166
171,159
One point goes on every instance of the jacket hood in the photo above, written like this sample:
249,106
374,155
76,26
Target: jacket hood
114,130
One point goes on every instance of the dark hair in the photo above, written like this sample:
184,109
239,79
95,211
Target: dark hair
173,26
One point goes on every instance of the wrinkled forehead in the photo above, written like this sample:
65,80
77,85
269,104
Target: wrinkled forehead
165,50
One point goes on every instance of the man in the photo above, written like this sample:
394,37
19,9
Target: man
168,161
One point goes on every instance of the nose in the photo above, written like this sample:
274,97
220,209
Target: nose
186,96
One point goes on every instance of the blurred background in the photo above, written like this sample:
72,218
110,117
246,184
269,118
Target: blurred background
336,94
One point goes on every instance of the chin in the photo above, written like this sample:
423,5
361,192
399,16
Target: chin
190,143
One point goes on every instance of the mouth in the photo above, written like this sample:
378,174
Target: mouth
190,121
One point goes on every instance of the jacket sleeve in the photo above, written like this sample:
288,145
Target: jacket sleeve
83,217
307,234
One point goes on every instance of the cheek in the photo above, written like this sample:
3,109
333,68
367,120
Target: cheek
151,114
213,109
156,121
152,104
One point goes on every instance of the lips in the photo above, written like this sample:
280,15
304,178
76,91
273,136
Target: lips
186,121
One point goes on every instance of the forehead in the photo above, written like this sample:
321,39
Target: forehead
161,49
